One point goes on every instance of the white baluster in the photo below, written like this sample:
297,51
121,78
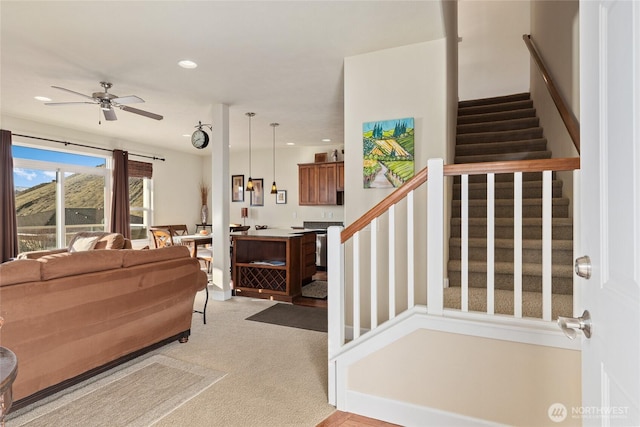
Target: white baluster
435,237
490,243
546,245
374,273
392,261
410,253
464,244
356,285
517,244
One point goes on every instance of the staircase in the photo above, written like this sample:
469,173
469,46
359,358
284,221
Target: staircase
502,129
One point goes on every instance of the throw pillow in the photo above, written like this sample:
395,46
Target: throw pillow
81,244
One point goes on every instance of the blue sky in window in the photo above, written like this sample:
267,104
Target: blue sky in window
30,177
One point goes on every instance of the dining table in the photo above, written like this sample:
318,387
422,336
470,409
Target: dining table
193,241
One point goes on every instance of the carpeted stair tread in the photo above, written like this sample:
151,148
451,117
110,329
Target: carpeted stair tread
504,177
508,243
561,250
528,269
494,108
502,125
503,277
499,136
561,228
561,305
497,116
502,129
504,157
538,144
523,96
503,208
504,190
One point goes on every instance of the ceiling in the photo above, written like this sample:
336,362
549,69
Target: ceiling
282,60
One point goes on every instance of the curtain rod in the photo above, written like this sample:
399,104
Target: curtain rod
86,146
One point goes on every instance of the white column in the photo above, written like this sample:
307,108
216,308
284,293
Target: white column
220,189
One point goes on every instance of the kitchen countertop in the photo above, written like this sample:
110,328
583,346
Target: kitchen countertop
274,232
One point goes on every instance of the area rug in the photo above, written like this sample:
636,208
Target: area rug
316,289
294,316
137,395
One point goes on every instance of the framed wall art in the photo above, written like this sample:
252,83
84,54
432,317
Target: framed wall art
237,188
281,197
387,153
257,195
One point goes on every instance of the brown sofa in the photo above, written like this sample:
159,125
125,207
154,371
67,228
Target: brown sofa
69,313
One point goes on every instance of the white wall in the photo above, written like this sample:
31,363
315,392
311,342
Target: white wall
408,81
176,180
504,382
555,32
287,160
493,59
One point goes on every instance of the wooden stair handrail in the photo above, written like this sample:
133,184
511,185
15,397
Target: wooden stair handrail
384,205
540,165
572,125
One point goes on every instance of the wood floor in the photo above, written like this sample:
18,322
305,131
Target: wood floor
345,419
312,302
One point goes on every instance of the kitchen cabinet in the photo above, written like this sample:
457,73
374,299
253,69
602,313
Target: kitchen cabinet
321,183
272,264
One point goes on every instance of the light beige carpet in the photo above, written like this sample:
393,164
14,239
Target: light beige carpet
137,395
275,376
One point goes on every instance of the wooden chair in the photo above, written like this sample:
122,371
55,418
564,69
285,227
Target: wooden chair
179,230
161,237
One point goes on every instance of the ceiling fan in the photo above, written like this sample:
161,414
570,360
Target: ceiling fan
108,102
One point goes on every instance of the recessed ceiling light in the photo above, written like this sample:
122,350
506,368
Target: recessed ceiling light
185,63
42,98
291,143
326,140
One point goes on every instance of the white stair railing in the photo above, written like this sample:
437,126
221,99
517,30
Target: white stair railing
365,278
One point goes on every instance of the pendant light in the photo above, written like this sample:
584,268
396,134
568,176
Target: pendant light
250,182
274,189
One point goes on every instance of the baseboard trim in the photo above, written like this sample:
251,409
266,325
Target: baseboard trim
406,414
221,295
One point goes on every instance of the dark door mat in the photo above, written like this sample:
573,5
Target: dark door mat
294,316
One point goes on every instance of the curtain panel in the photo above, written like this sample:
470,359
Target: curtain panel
120,220
8,220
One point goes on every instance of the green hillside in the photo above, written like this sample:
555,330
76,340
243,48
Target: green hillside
81,192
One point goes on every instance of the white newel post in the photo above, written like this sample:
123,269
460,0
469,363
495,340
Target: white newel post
335,300
435,236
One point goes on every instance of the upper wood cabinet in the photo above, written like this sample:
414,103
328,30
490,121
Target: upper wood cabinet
319,183
340,172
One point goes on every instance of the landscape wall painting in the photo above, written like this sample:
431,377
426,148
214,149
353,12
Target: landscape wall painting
387,152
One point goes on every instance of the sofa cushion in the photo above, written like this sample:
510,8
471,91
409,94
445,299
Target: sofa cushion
82,243
105,239
70,264
19,271
133,257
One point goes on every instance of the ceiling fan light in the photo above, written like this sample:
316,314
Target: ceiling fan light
185,63
104,105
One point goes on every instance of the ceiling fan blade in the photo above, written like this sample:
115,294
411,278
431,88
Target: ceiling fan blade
131,99
141,112
68,103
72,91
110,115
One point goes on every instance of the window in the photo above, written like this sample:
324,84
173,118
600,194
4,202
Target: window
60,193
